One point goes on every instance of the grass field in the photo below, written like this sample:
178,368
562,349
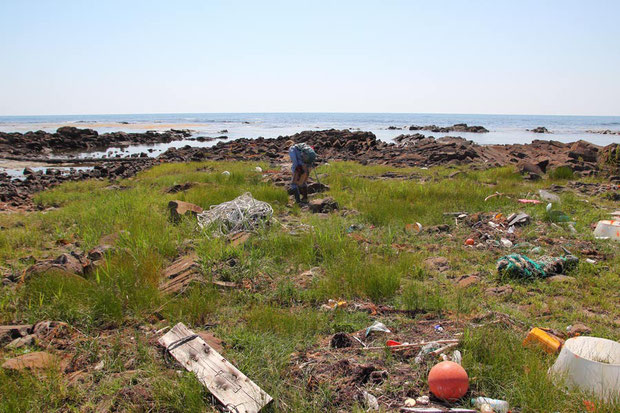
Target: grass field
115,310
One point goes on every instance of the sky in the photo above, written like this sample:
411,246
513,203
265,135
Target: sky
194,56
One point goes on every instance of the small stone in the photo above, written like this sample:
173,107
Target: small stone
468,280
21,342
499,291
410,402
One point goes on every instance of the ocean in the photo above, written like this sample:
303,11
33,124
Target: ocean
504,129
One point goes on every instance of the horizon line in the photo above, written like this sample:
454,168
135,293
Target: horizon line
303,112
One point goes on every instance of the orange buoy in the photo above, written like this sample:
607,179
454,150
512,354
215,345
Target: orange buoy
469,241
448,381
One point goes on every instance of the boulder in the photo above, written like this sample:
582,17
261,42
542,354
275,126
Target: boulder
324,205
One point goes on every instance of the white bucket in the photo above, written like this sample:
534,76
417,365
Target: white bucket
591,364
608,230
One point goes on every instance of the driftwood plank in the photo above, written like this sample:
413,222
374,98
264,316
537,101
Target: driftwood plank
230,386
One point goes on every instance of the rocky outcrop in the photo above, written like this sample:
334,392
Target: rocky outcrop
539,129
72,139
457,127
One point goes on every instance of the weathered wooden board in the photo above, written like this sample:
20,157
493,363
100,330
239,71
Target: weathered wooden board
230,386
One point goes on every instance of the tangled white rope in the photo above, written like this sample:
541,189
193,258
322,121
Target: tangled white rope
241,214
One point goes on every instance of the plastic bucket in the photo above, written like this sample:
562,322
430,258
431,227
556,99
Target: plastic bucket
608,229
591,364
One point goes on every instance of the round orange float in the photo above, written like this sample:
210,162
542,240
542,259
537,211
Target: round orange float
448,381
469,241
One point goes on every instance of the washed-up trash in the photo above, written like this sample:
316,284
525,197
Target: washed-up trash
448,380
258,169
556,216
423,400
548,196
392,343
409,402
415,228
607,229
548,342
590,261
578,329
243,213
591,364
530,201
213,371
425,350
469,241
333,304
520,266
498,406
370,401
518,219
506,243
377,327
354,227
438,328
226,173
436,410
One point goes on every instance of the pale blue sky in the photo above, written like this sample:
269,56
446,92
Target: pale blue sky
522,57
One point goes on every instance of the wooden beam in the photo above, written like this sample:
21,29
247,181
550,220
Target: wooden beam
229,385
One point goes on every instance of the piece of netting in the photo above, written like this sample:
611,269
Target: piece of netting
243,213
520,266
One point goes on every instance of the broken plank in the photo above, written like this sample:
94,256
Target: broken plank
229,385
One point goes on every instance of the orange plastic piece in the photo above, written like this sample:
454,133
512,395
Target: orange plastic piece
469,241
549,343
391,343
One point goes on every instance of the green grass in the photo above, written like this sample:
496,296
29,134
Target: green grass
263,326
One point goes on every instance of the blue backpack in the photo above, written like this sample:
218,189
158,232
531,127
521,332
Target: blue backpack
308,156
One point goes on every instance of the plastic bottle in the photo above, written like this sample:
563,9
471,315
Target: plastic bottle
498,406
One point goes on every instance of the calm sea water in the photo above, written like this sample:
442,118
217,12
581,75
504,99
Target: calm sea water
503,128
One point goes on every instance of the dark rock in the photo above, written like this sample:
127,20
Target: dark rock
341,340
540,129
324,205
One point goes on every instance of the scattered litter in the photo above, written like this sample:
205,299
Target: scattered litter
607,230
520,266
258,169
530,201
414,228
518,219
223,380
243,213
448,381
591,364
409,402
423,400
548,196
392,343
333,304
438,328
590,261
498,406
377,327
556,216
469,241
226,173
506,243
548,342
370,401
354,227
496,194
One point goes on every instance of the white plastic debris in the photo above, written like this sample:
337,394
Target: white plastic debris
548,196
377,326
370,401
258,169
591,364
506,243
607,229
226,173
423,400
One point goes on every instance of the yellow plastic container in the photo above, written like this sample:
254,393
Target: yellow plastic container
549,343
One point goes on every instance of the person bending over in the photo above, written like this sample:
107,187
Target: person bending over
303,157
